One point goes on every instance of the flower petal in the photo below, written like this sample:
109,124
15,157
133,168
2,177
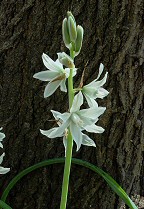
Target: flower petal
56,114
95,84
102,93
51,88
101,67
67,71
49,132
65,144
76,134
46,75
74,72
92,113
4,170
60,130
101,82
94,129
59,64
50,64
91,102
63,116
77,102
2,136
63,86
87,141
86,121
1,157
1,145
90,91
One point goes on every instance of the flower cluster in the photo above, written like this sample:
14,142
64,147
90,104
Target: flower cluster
76,120
72,34
2,169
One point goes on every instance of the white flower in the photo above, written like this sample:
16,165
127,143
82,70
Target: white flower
85,139
77,120
2,169
2,136
94,89
56,75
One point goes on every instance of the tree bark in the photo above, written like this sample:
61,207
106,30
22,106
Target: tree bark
113,35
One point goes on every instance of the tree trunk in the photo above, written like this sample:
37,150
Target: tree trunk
113,35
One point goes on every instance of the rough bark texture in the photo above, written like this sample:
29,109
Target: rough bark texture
114,36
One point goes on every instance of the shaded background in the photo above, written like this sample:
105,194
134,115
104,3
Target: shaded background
113,35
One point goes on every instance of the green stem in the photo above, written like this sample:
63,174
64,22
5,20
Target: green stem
66,172
69,144
70,88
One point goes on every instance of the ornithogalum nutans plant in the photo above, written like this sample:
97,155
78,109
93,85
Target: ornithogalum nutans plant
76,123
72,124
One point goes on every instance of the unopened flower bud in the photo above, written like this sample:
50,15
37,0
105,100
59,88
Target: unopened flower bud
72,29
69,14
65,33
65,60
79,39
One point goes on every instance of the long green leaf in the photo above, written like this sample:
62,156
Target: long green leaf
120,192
111,182
4,205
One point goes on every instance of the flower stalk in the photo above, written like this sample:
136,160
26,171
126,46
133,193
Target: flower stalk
69,148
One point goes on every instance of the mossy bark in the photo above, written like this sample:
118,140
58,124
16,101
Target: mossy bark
113,35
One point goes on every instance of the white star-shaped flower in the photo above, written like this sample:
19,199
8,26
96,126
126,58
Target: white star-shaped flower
94,89
2,169
85,139
76,121
56,75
